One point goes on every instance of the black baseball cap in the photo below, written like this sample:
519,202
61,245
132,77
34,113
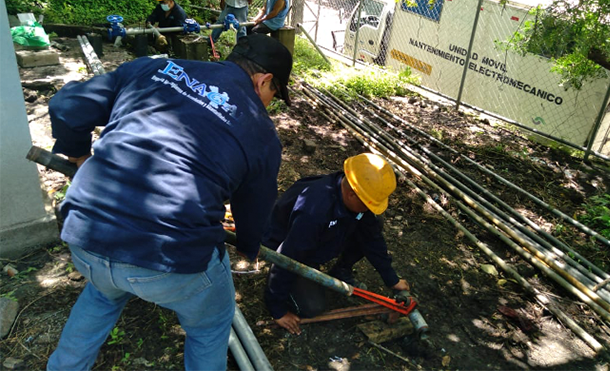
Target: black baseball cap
271,55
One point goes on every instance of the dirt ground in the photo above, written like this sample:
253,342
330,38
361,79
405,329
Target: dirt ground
468,310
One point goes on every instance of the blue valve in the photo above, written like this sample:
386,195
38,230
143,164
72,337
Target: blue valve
116,29
191,25
230,20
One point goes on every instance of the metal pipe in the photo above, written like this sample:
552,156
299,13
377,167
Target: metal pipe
313,42
239,353
249,342
90,56
543,299
497,200
298,268
598,123
470,43
455,186
509,184
353,122
356,38
155,30
51,161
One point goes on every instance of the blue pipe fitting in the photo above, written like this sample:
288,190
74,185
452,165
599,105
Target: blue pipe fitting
230,20
191,25
116,28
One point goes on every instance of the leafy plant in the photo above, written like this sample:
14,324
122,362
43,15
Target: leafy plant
61,194
23,274
116,336
574,35
597,214
9,295
70,267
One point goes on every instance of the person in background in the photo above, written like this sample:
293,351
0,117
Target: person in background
239,8
323,217
167,13
271,17
143,214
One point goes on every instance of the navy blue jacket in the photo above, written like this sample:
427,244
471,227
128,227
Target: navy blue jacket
311,224
176,17
181,138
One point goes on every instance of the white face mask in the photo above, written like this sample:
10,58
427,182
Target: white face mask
165,7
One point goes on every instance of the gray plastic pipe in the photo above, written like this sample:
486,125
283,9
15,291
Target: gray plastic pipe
240,355
249,342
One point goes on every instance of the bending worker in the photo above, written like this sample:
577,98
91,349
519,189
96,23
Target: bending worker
142,216
322,217
167,13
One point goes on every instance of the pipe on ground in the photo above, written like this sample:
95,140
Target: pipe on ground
243,362
249,342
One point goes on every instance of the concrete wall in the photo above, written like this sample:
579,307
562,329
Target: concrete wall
26,221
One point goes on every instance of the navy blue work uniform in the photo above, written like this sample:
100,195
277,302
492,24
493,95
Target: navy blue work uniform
176,16
311,224
181,137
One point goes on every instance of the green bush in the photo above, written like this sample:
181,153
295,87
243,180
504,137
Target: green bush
91,12
597,214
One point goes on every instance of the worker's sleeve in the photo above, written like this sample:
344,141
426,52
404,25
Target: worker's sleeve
180,18
153,17
76,110
376,250
251,205
300,243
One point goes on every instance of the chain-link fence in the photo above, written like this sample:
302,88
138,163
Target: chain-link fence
455,50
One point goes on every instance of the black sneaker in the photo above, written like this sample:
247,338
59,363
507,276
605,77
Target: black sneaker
347,276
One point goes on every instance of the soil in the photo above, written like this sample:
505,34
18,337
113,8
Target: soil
477,320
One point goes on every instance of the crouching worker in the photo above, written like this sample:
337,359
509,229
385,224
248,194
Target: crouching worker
167,13
323,217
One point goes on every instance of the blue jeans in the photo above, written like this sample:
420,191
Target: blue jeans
204,303
241,14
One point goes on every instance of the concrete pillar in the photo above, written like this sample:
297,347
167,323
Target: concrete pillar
25,220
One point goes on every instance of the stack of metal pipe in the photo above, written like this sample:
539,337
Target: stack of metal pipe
245,348
428,161
91,58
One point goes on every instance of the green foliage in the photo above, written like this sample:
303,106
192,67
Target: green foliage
342,80
23,6
70,268
95,11
61,194
307,60
597,214
9,295
574,35
25,273
116,336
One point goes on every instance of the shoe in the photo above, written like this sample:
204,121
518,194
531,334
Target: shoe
347,276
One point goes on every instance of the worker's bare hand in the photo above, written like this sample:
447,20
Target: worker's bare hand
79,160
290,322
402,285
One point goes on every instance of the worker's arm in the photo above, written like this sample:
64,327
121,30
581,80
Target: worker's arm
277,7
299,245
252,202
154,17
75,111
260,15
376,251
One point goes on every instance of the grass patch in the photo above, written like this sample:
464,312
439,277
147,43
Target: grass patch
370,82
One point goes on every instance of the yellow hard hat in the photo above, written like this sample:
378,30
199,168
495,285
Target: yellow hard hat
372,178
